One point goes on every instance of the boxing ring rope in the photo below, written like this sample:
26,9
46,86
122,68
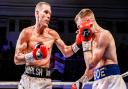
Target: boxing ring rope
124,74
14,84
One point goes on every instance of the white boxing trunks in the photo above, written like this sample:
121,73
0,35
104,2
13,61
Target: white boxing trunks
108,77
35,78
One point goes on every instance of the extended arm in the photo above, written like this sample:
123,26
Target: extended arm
67,50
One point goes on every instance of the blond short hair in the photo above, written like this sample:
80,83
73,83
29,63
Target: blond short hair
84,12
38,5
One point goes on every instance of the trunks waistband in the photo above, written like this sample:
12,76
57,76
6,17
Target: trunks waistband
39,72
107,70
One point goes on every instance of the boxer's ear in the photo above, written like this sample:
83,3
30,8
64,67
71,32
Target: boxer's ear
37,12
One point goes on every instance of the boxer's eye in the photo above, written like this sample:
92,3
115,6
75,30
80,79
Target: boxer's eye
46,12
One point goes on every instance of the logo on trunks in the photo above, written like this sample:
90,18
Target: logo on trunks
48,73
35,71
99,73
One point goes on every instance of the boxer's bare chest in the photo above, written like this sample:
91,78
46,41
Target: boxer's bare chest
45,38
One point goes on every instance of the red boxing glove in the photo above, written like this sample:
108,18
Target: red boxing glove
77,45
38,53
83,37
86,35
85,31
74,86
78,39
77,85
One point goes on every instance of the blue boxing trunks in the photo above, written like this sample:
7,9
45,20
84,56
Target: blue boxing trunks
107,70
108,77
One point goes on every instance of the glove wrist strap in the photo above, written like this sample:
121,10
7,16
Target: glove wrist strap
29,57
75,47
87,46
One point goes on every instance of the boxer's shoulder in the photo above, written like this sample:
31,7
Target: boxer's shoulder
106,32
28,30
53,33
107,35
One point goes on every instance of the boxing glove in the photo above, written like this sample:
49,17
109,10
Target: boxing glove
79,84
76,85
77,45
38,53
86,35
86,31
